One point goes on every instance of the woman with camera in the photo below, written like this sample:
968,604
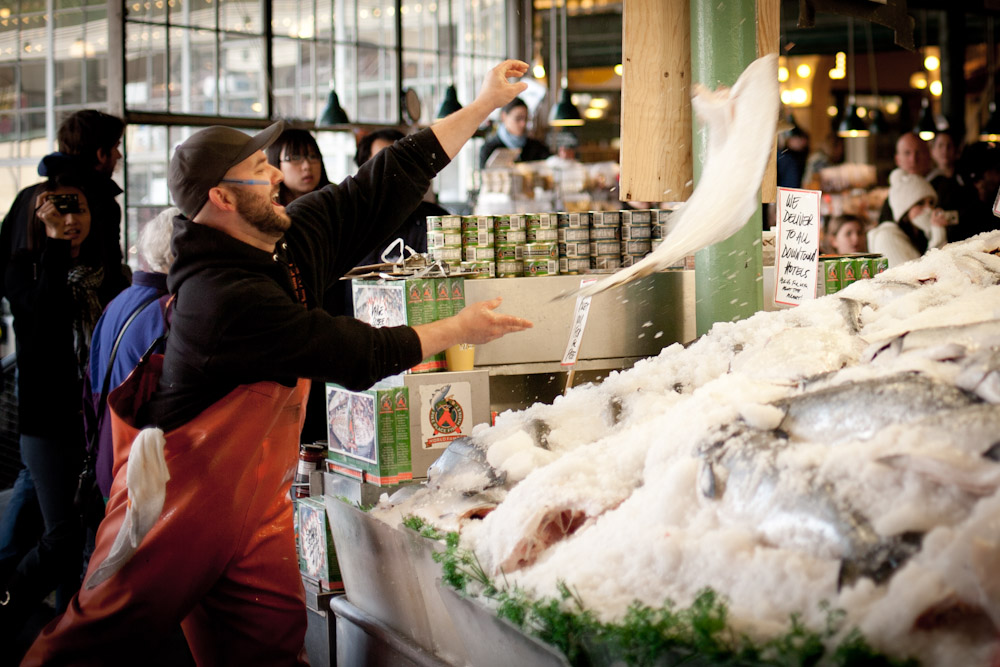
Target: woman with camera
57,287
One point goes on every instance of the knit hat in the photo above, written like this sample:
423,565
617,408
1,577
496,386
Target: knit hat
202,160
905,190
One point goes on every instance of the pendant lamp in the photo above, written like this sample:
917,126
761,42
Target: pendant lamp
565,113
333,113
926,127
851,124
450,104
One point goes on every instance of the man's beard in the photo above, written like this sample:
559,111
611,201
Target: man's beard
261,214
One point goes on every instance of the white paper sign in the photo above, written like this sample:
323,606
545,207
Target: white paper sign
579,324
796,258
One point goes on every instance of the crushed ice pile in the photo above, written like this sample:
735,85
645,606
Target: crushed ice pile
845,450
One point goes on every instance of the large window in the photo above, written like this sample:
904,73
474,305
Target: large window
242,62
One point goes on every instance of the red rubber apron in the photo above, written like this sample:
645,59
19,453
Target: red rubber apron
221,557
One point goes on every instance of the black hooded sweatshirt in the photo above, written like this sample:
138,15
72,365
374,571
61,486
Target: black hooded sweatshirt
237,318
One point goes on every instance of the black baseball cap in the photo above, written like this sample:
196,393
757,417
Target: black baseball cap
202,160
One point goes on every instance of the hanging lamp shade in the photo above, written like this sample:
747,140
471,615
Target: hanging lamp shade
333,113
450,103
926,127
991,130
565,114
852,125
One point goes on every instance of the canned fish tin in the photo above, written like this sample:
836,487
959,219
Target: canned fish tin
511,236
581,219
632,232
604,233
478,222
850,272
541,251
573,265
865,269
501,222
480,269
447,238
605,218
451,222
578,249
520,221
510,268
534,268
433,222
833,272
881,264
640,217
573,234
509,252
548,220
536,235
658,231
605,249
452,255
605,263
475,253
631,260
640,248
478,237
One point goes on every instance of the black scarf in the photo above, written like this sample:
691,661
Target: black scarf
83,282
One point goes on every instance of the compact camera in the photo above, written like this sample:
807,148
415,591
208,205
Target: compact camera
951,217
66,203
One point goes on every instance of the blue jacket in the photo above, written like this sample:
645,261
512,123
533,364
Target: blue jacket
144,329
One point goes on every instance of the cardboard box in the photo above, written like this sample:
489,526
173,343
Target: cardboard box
317,557
361,426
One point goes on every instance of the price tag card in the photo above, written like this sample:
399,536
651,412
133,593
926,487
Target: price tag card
579,324
796,257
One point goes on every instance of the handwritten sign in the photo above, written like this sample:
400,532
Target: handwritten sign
796,259
579,324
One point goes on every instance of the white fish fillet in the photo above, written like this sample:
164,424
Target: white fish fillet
741,125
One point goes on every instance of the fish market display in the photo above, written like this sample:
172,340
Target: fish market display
842,453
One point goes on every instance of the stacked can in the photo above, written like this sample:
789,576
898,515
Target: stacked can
573,240
605,240
541,258
444,239
478,245
511,235
660,219
637,236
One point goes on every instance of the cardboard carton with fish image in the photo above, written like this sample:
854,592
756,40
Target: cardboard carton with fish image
362,430
317,557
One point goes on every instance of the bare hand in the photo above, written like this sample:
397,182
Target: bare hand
496,91
480,323
54,221
938,218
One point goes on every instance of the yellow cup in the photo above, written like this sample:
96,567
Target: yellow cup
460,357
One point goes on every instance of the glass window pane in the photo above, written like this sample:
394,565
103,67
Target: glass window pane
145,67
194,13
32,84
291,18
377,22
378,99
240,16
97,81
146,165
142,10
324,19
419,24
8,135
193,74
295,84
242,83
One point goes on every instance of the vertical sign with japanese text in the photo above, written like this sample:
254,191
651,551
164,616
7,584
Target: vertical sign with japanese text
796,257
579,324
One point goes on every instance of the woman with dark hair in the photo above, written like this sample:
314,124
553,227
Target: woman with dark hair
916,225
513,133
297,155
55,286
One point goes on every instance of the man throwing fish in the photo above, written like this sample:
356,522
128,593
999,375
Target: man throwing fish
228,394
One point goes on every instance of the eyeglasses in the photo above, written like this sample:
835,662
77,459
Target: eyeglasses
315,159
245,181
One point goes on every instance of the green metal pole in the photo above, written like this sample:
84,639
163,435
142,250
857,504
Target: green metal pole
728,275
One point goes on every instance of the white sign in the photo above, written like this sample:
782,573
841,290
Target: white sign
579,324
796,256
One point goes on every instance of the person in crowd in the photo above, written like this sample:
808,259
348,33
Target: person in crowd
297,155
830,154
792,158
513,133
912,157
952,193
845,234
978,172
88,142
149,285
55,286
245,329
916,225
